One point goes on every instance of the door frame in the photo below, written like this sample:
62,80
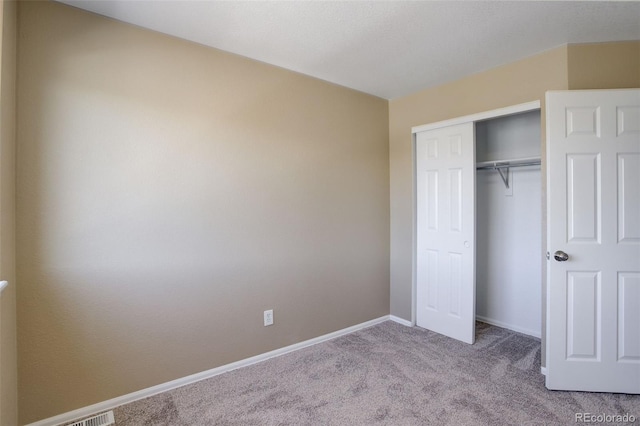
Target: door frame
495,113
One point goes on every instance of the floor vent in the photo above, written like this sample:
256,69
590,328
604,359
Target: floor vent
103,419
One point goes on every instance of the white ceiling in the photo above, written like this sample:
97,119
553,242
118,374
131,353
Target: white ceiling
385,48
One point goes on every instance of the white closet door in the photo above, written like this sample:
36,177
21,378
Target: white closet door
593,298
445,168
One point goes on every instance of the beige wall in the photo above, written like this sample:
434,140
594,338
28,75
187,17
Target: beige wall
8,352
604,65
511,84
170,193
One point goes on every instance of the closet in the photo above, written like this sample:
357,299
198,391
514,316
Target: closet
478,222
509,222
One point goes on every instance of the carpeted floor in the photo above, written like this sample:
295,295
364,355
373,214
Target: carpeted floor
387,374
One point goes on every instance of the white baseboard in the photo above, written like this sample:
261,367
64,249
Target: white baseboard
543,370
508,326
154,390
400,321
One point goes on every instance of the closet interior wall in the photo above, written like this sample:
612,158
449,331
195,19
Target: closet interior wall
508,225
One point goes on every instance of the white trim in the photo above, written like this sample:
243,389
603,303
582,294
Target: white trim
543,370
547,312
414,230
508,326
514,109
401,321
3,285
154,390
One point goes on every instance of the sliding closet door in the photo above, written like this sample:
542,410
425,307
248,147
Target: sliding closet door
445,273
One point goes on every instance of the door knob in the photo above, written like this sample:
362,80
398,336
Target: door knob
560,256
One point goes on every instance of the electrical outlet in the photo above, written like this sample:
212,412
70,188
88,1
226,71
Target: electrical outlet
268,317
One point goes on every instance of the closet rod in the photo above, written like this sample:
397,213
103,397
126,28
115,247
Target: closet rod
506,164
519,162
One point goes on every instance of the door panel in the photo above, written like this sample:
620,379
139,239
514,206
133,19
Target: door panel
583,187
629,317
628,198
628,120
445,192
593,190
455,274
583,302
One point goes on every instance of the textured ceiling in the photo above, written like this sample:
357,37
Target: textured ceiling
385,48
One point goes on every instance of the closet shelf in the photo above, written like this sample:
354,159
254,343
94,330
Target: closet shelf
506,164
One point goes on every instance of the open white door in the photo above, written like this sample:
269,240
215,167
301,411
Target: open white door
593,293
445,272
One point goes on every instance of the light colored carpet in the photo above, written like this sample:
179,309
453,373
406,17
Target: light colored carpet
387,374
